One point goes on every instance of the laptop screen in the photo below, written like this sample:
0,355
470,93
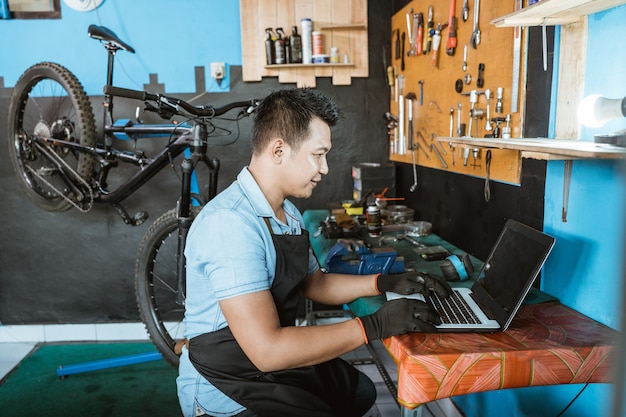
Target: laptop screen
511,268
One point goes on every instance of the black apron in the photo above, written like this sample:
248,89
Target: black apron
324,390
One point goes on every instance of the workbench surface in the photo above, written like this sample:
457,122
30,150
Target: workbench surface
546,344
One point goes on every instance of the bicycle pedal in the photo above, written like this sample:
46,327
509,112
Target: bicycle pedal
140,217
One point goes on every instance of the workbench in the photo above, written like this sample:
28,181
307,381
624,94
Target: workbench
546,344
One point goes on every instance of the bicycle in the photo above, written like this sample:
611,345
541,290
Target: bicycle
60,164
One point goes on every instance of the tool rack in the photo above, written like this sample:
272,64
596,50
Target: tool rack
435,82
501,35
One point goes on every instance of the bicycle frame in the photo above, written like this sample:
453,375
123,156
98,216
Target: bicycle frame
150,166
189,137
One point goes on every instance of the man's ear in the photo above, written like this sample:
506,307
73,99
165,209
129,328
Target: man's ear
277,149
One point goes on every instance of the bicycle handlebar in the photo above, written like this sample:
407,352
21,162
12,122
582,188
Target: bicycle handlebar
176,103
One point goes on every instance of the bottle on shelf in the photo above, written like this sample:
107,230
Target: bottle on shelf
269,47
279,46
288,59
295,44
334,55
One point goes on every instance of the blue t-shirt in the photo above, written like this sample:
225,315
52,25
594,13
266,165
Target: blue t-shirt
229,252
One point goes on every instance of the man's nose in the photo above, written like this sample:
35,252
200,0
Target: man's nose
324,166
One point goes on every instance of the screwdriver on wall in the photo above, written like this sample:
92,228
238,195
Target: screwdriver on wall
436,43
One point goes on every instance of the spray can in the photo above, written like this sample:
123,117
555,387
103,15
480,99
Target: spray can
307,48
279,46
269,47
373,221
295,44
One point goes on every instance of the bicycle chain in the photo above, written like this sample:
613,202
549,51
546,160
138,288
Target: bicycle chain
60,193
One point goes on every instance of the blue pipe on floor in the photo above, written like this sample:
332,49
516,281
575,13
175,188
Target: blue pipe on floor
108,363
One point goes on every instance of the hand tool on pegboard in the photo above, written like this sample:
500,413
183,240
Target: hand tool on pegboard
464,67
409,24
488,127
451,42
487,190
421,85
434,149
465,13
401,149
430,30
475,39
436,43
411,98
419,27
398,51
402,52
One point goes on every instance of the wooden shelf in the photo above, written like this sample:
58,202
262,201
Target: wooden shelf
344,27
279,66
555,12
548,149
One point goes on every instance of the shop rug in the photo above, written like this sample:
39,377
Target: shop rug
34,389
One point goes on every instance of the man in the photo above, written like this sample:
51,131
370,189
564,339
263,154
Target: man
248,261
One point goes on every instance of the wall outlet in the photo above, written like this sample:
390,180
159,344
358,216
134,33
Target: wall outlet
218,70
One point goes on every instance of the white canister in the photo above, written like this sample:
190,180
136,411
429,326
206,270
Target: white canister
307,47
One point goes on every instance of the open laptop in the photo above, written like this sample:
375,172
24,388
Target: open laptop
502,284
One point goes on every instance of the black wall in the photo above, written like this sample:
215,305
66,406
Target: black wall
72,267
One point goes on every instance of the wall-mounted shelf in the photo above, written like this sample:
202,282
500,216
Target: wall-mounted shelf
345,27
279,66
549,149
554,12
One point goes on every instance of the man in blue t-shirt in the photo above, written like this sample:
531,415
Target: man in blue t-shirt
249,260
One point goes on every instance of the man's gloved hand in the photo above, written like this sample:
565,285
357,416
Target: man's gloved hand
413,282
399,316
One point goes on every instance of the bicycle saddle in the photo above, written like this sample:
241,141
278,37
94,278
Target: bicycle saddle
105,34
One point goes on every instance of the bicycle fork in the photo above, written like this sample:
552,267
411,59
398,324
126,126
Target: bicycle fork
184,214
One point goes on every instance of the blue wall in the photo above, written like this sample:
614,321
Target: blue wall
585,269
180,35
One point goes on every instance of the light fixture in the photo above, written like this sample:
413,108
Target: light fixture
595,110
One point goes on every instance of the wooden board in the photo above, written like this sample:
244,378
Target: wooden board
432,116
556,148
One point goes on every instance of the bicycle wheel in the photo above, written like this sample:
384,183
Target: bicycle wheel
156,285
48,101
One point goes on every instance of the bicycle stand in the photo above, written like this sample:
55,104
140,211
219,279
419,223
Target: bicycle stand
63,371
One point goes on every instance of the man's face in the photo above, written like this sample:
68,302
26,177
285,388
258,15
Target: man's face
306,166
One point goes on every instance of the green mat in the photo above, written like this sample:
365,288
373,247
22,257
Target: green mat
34,389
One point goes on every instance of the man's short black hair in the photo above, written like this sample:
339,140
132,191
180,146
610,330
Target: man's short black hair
288,113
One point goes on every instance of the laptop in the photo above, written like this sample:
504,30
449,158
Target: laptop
502,284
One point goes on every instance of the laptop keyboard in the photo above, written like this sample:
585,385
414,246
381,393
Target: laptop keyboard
454,309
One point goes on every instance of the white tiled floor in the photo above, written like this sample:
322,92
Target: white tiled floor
11,354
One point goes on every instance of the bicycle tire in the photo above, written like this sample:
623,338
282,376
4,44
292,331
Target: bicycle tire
49,100
156,284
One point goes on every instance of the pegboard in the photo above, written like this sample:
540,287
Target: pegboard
435,108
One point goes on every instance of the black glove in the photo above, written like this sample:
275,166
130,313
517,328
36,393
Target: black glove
400,316
413,282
